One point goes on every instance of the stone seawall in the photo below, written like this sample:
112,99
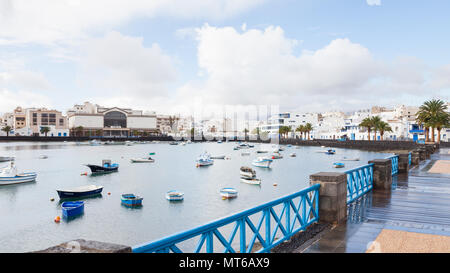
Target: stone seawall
73,138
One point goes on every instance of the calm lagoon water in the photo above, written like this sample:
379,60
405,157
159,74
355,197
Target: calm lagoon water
27,213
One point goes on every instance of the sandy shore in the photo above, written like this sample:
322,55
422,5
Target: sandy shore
397,241
441,166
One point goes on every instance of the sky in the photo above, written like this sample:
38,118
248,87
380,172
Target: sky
171,56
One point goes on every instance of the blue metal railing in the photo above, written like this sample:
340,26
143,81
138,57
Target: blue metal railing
299,210
409,158
359,182
394,162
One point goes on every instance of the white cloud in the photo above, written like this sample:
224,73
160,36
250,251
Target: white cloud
373,2
11,99
116,64
53,21
260,67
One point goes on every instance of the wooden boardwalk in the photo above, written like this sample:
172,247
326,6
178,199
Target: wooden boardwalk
418,203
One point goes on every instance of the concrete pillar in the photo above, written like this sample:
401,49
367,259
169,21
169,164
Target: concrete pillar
332,196
382,174
415,157
422,153
403,162
84,246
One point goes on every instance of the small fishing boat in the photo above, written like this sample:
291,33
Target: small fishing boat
338,165
289,145
43,157
330,152
79,192
245,153
262,162
174,195
94,143
276,155
173,143
261,152
142,160
247,172
128,143
228,193
218,157
251,145
131,200
106,167
72,208
350,159
6,158
293,155
236,148
252,181
152,153
219,141
9,175
204,160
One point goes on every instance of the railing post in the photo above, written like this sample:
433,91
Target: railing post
332,196
382,173
403,162
415,157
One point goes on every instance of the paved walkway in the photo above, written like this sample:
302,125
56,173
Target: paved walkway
413,217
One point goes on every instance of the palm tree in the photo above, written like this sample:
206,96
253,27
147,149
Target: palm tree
422,119
376,121
245,133
308,128
432,111
6,129
300,129
441,121
45,130
172,120
384,127
79,130
283,130
367,123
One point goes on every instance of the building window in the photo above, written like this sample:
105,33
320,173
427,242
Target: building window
61,122
115,119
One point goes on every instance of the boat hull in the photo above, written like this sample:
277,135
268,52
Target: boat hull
72,209
128,201
262,164
142,160
95,169
76,194
251,181
23,178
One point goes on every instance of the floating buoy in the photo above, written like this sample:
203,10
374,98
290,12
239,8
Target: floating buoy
275,184
52,199
196,165
109,193
57,219
84,173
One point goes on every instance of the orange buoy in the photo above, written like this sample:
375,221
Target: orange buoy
52,199
275,184
109,193
57,219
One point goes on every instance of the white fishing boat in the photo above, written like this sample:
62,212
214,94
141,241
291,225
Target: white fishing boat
252,181
247,172
350,159
94,143
204,160
293,155
142,160
174,195
276,155
9,175
6,158
128,143
43,156
227,193
262,162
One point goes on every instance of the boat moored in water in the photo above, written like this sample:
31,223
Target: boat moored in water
106,167
252,181
72,208
276,155
262,162
338,165
247,172
9,175
174,195
83,191
228,193
131,200
6,158
293,155
142,160
330,152
204,160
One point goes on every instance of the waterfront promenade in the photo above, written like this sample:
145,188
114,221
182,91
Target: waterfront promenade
412,217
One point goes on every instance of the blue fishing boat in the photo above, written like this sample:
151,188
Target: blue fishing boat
72,208
174,195
106,167
131,200
204,160
330,152
338,165
79,192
